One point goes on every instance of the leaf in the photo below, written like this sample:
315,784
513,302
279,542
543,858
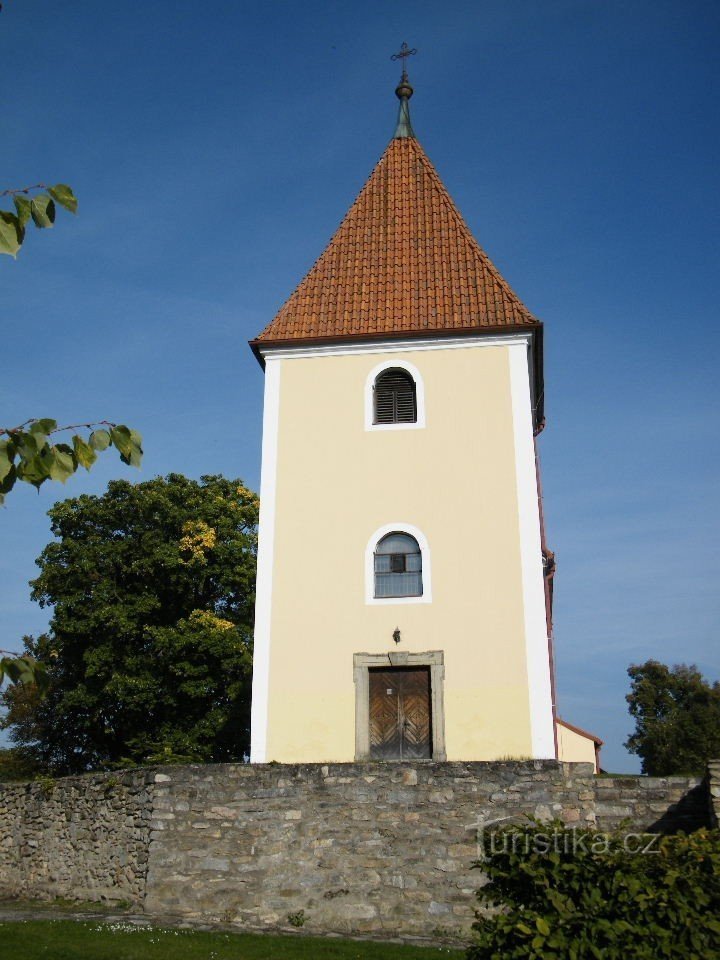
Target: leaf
23,670
42,210
6,459
120,437
99,440
44,425
34,470
8,482
135,458
22,205
128,443
39,432
62,465
11,233
84,453
28,444
542,926
63,194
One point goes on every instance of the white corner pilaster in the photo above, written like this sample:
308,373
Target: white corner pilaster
536,639
266,549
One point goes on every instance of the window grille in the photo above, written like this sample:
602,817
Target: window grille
398,566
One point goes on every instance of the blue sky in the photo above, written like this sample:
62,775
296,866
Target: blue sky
215,147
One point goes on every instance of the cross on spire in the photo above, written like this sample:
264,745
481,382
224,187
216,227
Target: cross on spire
403,92
404,53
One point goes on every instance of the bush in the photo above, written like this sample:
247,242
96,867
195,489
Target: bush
574,894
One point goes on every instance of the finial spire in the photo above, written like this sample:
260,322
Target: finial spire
403,92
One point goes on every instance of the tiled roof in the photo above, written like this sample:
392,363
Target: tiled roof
402,262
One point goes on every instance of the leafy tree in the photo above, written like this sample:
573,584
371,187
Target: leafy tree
31,205
28,454
148,656
677,718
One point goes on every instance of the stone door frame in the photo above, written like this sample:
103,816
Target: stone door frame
361,664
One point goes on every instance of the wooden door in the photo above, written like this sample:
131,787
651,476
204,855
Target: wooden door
400,715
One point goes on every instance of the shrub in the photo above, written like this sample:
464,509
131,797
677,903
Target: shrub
574,894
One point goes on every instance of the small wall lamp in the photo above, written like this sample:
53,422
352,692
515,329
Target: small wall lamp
396,634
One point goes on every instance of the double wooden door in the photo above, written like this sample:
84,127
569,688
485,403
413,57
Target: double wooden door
400,713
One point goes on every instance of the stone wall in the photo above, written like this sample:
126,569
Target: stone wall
366,848
656,804
84,838
379,848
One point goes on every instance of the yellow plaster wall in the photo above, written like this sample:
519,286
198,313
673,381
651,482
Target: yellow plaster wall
573,747
336,484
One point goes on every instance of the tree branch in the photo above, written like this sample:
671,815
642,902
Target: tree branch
35,186
71,426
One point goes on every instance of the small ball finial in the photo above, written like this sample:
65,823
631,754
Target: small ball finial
403,89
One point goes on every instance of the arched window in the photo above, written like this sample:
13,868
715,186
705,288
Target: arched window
394,399
398,566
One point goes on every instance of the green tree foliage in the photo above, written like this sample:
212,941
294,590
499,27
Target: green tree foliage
677,718
576,895
27,452
30,205
148,656
14,766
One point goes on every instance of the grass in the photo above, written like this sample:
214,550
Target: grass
121,940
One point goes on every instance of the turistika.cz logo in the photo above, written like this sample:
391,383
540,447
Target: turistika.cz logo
504,835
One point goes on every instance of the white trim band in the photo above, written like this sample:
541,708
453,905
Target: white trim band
286,352
266,549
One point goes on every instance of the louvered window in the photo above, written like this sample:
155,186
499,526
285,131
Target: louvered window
395,400
398,566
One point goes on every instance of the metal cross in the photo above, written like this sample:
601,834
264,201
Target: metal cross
404,53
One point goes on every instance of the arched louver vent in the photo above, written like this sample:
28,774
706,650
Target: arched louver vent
395,397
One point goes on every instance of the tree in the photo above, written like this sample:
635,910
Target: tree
30,205
28,454
677,718
149,652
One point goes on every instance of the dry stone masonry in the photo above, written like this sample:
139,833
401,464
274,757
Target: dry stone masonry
381,848
84,838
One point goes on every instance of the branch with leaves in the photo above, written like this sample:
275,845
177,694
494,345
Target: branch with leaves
27,452
24,670
29,205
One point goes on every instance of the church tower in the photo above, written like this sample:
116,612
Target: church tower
402,599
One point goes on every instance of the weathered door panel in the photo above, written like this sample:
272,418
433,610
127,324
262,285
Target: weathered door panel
400,713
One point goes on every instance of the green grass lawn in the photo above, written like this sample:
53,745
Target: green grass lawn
120,940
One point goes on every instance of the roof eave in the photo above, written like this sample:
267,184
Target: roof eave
580,731
535,330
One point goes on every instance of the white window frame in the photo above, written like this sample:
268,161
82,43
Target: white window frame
399,527
410,368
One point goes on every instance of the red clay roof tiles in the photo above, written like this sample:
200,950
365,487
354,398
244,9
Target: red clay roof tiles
402,261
